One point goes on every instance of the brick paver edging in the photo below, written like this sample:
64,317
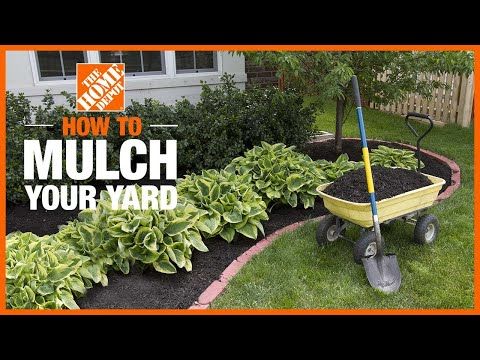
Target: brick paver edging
216,287
455,179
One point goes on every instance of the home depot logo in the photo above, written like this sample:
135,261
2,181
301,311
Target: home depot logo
100,87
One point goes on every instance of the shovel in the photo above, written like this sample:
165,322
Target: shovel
382,269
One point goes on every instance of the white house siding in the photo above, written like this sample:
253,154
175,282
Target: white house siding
22,78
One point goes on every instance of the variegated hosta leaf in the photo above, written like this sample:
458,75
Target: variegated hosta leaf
389,157
279,174
42,272
228,199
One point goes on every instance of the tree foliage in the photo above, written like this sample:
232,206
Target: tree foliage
326,74
384,76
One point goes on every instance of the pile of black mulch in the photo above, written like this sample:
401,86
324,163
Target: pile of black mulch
388,183
353,148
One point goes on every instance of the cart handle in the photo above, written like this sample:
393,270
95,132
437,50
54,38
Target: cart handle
414,131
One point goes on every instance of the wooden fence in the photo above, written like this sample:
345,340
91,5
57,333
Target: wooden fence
452,105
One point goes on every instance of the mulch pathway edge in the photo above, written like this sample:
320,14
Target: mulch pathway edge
216,287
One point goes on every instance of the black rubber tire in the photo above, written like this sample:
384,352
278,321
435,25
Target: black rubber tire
361,245
323,229
422,234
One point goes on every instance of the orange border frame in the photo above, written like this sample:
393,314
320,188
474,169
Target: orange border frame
3,310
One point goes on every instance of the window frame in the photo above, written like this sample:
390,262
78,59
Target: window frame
170,71
57,78
198,71
143,73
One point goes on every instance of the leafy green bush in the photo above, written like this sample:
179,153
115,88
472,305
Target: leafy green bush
389,157
333,170
43,273
20,112
231,204
276,116
211,132
227,121
280,174
152,112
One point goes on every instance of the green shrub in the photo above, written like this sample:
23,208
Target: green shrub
389,157
43,273
333,170
20,112
152,112
227,121
231,204
280,174
276,116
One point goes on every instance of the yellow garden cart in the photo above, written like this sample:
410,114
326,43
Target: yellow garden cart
409,207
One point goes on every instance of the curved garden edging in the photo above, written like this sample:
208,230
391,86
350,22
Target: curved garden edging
217,287
455,179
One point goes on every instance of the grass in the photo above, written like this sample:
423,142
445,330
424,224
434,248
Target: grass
294,272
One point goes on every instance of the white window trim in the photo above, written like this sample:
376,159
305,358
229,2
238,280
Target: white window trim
94,57
194,74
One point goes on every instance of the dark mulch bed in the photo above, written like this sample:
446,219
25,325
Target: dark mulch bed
151,289
388,183
325,150
154,290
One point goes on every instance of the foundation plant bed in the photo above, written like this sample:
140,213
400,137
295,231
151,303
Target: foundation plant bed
149,289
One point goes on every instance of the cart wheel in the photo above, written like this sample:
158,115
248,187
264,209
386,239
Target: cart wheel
365,246
426,229
326,230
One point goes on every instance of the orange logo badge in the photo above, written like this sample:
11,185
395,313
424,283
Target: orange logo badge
100,87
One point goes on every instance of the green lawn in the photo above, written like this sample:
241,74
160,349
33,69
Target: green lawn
295,273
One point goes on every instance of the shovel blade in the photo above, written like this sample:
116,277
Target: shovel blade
383,272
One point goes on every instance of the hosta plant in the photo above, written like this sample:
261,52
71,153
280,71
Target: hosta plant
389,157
333,170
43,273
229,202
121,237
280,174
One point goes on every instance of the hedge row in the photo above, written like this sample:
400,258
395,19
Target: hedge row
221,126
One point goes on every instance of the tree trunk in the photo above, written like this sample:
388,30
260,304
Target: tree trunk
281,82
338,125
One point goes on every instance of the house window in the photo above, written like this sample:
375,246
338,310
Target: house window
195,61
136,62
59,65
